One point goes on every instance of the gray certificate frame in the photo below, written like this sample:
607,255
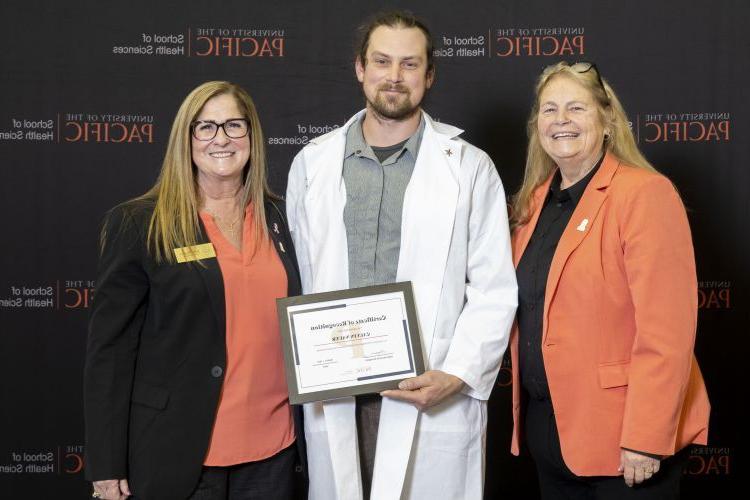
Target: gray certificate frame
412,340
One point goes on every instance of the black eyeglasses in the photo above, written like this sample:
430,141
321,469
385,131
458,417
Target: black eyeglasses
206,130
584,67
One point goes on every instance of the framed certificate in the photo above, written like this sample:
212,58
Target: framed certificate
349,342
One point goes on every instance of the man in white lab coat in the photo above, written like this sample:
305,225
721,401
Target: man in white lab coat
394,196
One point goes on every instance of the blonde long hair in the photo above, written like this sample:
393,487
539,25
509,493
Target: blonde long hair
618,140
175,222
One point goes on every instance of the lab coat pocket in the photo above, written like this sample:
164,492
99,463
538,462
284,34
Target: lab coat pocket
453,426
448,445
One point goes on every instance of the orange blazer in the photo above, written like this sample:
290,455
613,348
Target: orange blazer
619,323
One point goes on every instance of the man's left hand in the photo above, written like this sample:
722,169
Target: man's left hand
426,390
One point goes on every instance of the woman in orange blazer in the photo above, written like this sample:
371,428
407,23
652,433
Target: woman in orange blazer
605,383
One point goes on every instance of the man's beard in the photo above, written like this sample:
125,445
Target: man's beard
398,107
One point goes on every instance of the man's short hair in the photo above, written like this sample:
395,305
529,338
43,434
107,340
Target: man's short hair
393,19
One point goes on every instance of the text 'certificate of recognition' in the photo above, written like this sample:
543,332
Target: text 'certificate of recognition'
349,342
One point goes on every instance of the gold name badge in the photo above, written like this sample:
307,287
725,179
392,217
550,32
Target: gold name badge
197,252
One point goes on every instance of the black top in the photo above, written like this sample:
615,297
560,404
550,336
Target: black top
532,273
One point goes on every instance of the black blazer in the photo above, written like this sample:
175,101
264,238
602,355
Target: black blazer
156,358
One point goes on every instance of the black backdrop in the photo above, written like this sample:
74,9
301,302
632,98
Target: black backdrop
89,90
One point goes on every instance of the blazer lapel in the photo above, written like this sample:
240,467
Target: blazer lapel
209,271
578,228
523,234
277,229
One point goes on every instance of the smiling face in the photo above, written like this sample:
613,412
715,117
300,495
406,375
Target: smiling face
395,76
221,158
569,125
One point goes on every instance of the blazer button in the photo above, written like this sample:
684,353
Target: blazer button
216,371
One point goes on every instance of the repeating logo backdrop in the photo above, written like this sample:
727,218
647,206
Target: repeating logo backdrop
90,89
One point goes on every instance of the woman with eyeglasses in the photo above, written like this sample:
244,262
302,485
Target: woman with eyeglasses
185,393
606,389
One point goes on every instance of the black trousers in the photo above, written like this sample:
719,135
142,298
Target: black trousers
368,420
556,481
272,478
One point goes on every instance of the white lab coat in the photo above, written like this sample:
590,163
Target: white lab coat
455,249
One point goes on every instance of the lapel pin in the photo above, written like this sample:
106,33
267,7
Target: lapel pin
582,226
275,228
449,152
281,246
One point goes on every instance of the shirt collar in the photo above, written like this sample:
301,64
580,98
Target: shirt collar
574,192
356,144
355,140
412,145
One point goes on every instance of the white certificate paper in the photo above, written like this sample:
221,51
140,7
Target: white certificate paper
357,341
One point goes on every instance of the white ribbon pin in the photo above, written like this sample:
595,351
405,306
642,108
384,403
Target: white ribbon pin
582,226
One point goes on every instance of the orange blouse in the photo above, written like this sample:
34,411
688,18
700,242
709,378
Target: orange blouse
254,419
